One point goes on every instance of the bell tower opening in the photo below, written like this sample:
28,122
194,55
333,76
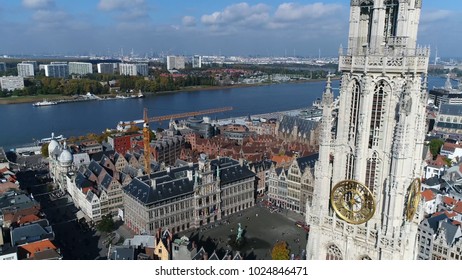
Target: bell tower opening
391,19
366,16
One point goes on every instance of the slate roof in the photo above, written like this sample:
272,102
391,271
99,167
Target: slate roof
148,195
308,161
433,181
82,182
95,168
450,231
90,195
106,181
122,253
304,126
450,109
449,125
199,255
261,165
31,233
141,240
433,221
174,183
99,155
279,171
18,200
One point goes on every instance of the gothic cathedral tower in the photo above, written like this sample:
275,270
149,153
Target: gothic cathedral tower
376,145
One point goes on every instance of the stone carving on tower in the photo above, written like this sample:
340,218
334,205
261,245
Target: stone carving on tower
365,178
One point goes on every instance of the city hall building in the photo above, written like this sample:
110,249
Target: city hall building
188,196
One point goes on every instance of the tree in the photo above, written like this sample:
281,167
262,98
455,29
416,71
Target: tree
44,150
106,224
435,146
280,251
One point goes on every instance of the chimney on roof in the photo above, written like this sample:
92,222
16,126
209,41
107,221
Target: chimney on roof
189,174
167,169
241,162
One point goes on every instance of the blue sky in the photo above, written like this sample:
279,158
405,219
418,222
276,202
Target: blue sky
201,26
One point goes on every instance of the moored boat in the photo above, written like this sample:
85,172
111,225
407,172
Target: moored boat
44,103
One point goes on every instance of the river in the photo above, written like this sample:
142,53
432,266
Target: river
22,124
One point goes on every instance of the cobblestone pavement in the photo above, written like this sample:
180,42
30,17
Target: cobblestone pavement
262,230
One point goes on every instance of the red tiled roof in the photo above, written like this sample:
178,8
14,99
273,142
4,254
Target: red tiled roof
450,147
35,247
449,200
27,219
428,195
6,186
458,207
438,162
448,214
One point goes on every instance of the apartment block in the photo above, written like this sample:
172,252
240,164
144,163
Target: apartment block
25,69
80,68
11,83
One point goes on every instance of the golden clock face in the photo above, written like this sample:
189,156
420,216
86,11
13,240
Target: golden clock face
413,199
353,202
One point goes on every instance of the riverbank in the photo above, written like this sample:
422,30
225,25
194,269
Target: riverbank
56,97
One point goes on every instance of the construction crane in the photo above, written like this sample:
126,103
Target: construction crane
147,132
123,124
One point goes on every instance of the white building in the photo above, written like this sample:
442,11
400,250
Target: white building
11,83
133,69
60,162
197,61
25,69
33,63
127,69
57,70
175,62
80,68
365,169
105,68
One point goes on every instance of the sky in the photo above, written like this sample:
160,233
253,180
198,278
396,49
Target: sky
204,27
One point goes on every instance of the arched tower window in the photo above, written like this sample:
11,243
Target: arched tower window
372,169
366,15
333,253
378,110
365,258
391,18
354,122
350,166
354,110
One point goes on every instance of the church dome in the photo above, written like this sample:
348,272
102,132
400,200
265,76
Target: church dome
65,158
52,146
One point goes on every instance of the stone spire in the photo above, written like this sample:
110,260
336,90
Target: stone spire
328,95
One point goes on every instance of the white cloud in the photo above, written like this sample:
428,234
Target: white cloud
294,11
241,13
126,11
433,16
38,4
189,21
